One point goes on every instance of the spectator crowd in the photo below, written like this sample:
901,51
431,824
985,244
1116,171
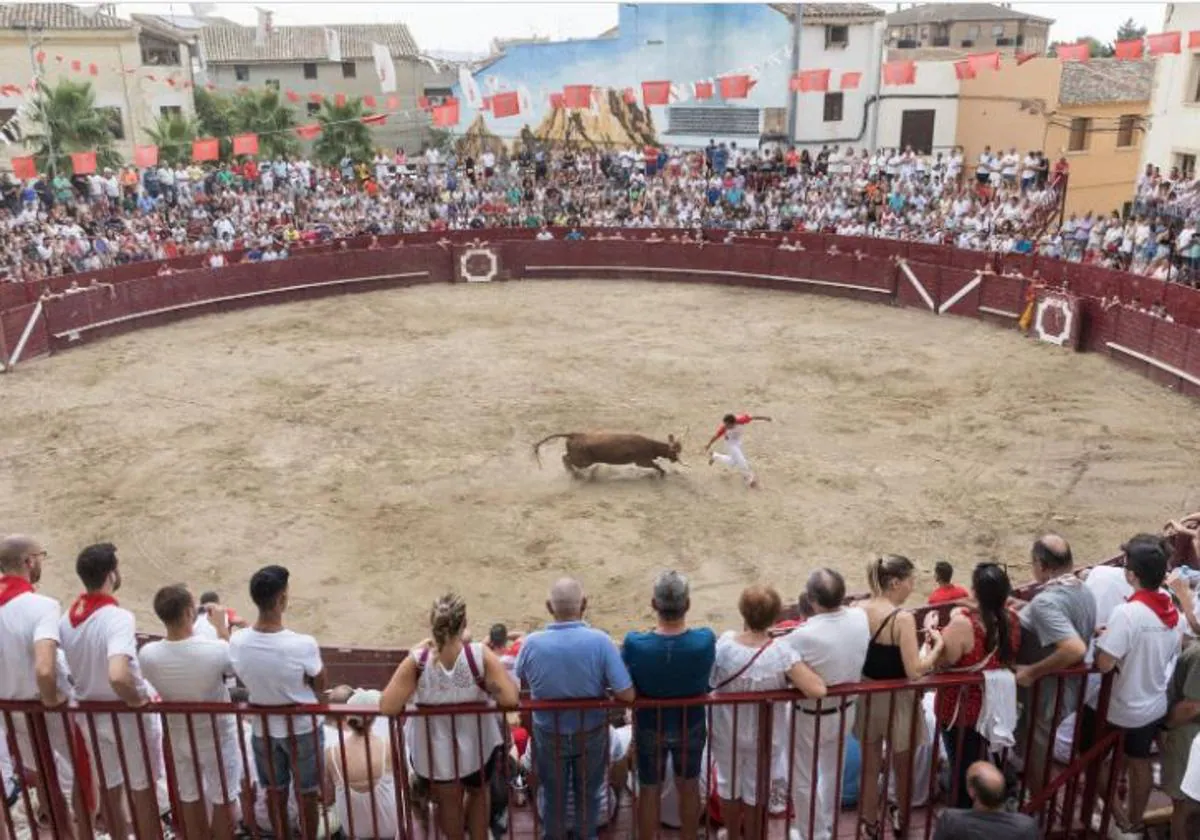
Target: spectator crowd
1004,201
698,742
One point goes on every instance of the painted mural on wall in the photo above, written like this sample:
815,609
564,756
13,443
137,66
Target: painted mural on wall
680,43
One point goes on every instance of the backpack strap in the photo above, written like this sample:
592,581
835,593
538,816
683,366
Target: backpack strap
422,659
474,666
744,668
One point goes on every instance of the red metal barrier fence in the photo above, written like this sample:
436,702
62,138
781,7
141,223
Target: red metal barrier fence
424,761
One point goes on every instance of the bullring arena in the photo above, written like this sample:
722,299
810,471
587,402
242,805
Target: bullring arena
379,444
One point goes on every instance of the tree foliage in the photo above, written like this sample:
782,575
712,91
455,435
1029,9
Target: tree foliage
1130,31
1096,47
214,118
173,134
261,112
343,134
66,120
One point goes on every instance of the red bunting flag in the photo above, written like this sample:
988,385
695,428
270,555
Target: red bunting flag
40,57
187,85
984,61
315,97
93,70
10,90
292,95
1165,42
206,148
735,87
1194,39
629,96
487,104
506,104
58,58
369,101
171,81
24,167
577,96
392,103
556,102
850,81
423,103
656,93
245,144
339,100
76,65
308,132
83,163
900,73
810,80
144,156
1130,50
702,90
375,119
446,114
1073,52
963,70
1022,57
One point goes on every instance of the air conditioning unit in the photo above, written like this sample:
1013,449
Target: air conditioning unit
966,42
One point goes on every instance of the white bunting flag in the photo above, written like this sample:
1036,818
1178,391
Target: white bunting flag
265,26
385,69
333,44
203,10
525,102
470,90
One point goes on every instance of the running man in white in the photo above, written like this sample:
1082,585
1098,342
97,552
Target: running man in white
731,430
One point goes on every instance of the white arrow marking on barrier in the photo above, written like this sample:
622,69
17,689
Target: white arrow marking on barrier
916,284
961,293
25,334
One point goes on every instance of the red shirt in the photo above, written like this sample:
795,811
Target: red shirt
950,592
953,707
741,420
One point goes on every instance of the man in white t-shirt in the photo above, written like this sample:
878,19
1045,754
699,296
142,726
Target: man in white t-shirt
184,667
99,639
280,667
33,668
834,644
1143,637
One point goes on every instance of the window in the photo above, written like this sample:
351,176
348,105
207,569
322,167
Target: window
837,36
1194,87
313,107
1081,127
1186,164
273,84
10,129
310,70
116,125
1125,130
241,72
349,70
924,32
171,111
997,30
833,107
973,32
437,95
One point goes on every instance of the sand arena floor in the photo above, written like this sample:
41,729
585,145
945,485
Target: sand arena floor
379,446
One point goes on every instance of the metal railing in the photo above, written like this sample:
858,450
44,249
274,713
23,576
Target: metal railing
425,777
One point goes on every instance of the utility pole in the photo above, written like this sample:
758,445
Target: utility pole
797,28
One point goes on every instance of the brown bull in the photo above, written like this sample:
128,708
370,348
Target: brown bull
587,448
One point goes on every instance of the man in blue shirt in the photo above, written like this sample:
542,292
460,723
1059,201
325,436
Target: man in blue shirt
670,661
568,660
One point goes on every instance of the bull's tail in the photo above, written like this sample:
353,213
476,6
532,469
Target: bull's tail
537,446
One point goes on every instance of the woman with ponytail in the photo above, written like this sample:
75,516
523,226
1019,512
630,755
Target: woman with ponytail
893,654
979,638
454,754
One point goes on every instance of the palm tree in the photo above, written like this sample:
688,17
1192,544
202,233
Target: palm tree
173,134
213,115
343,133
66,121
260,112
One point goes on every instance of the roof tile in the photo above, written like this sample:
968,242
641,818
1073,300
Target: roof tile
229,44
56,16
953,12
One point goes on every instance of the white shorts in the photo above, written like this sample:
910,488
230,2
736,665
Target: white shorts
1190,783
126,739
59,743
211,768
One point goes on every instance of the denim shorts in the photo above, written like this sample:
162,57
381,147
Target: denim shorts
279,752
686,751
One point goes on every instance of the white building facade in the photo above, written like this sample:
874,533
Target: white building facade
1173,138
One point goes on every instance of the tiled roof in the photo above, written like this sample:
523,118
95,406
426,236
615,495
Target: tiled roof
163,28
1104,80
229,44
835,11
953,12
56,16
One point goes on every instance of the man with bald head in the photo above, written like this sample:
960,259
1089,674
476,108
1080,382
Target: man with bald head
33,667
987,819
568,660
1056,629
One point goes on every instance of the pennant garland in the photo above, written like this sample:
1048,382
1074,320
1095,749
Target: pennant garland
629,96
206,148
245,144
308,132
735,87
1165,42
1194,39
369,101
24,168
375,119
556,102
810,80
900,73
850,81
963,70
577,96
446,114
984,61
505,104
83,163
144,156
702,90
1022,57
1073,52
656,93
1128,50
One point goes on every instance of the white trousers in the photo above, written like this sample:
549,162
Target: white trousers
734,457
828,771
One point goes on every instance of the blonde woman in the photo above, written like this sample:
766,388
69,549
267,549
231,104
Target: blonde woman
893,654
455,754
359,778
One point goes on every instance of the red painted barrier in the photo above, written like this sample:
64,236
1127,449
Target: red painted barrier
959,291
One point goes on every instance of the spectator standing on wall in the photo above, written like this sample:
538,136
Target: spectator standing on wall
986,819
100,641
668,662
568,660
946,591
1056,628
833,643
280,667
186,667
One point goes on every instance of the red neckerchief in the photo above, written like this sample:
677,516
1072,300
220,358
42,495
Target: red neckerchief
1160,604
11,586
86,604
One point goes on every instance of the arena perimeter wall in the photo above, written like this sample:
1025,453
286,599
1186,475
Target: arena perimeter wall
934,278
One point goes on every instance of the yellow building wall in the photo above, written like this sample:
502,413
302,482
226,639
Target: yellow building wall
1018,107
